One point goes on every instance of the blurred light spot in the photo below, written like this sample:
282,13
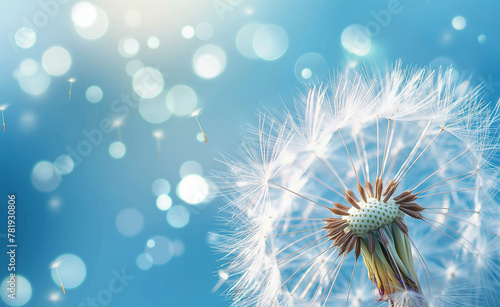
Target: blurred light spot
178,216
200,138
28,67
193,189
133,18
181,100
270,42
94,94
213,239
84,14
54,297
55,202
71,270
161,252
187,32
204,31
244,40
160,186
249,11
191,168
144,261
164,202
128,47
64,164
27,121
356,39
25,37
117,150
35,84
44,176
97,28
458,23
148,82
23,291
129,222
178,248
306,73
311,65
154,111
482,39
209,61
150,243
56,61
153,42
133,66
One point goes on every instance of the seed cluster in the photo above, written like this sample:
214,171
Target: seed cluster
372,215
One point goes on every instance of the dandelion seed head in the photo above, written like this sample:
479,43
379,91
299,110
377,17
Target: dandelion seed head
385,174
71,80
3,107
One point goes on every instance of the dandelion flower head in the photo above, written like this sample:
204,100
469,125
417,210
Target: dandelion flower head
376,187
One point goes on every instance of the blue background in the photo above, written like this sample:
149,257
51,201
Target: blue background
100,187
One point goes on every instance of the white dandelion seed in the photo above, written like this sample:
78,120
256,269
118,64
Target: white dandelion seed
117,124
70,80
54,266
397,167
2,108
195,114
158,134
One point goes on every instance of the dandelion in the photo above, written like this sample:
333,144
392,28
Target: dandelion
158,134
195,114
2,108
71,80
54,266
387,175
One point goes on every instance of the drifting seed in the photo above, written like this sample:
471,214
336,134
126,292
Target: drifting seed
2,108
71,80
